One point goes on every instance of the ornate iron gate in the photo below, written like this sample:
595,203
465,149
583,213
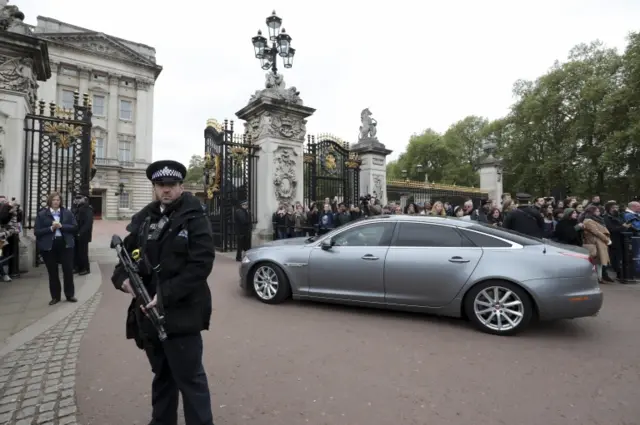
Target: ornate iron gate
58,155
229,178
330,171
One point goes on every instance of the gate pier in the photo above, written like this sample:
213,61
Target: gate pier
276,123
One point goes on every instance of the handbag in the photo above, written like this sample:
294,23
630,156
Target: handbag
593,250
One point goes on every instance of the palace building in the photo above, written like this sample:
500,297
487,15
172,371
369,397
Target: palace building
119,76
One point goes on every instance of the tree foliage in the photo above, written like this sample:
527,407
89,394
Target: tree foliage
575,130
195,170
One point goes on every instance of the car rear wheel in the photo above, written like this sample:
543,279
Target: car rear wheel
270,284
499,308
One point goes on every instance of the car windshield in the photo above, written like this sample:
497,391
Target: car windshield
508,234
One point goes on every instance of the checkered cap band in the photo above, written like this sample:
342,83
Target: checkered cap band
167,172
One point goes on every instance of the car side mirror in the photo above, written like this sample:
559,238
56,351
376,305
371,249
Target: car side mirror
326,244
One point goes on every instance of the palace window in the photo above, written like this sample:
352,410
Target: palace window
124,151
67,99
98,105
126,110
100,153
125,196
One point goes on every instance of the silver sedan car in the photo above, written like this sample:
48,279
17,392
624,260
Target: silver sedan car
498,279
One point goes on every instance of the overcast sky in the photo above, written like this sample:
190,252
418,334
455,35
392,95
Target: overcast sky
415,64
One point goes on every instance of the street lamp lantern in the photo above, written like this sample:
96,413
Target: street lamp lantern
274,23
280,45
288,61
284,42
259,44
419,168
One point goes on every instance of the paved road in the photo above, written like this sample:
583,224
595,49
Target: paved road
303,363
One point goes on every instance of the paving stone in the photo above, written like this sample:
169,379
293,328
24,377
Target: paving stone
37,380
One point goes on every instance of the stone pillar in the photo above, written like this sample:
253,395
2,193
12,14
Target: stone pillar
276,122
490,170
111,147
140,117
373,170
24,61
83,74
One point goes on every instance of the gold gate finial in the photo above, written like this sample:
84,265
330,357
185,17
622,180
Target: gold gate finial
212,122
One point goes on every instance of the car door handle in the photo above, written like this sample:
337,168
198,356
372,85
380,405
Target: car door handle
458,260
370,257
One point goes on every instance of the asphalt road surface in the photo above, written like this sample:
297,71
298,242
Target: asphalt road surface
305,363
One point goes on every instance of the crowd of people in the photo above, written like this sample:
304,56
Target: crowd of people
10,227
588,223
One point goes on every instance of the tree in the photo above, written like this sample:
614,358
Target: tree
195,171
575,129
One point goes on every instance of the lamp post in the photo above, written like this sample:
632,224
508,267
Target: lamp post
280,45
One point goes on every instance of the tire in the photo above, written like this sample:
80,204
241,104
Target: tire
506,316
270,284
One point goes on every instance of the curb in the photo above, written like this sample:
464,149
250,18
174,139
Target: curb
84,293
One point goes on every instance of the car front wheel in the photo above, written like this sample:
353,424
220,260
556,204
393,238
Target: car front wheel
499,308
270,284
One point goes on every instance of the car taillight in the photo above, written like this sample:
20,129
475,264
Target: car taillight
583,256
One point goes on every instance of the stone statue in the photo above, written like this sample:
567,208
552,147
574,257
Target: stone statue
275,88
368,128
9,15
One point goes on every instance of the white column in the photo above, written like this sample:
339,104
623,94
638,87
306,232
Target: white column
113,118
148,143
140,117
84,81
13,109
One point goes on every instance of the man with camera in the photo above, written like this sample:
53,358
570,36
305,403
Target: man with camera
369,206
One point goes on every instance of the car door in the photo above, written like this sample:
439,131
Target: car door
352,268
427,264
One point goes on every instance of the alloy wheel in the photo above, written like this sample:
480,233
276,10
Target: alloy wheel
265,283
498,308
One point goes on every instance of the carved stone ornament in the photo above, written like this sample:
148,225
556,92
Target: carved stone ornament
378,185
275,88
284,179
278,126
368,129
289,127
16,74
259,126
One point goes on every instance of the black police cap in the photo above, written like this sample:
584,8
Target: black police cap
166,171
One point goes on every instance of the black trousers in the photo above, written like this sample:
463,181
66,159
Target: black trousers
243,244
177,367
62,255
81,260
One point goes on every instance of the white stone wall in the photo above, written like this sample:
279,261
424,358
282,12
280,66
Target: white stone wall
115,70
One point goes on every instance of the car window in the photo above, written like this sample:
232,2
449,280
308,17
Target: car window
373,234
427,235
485,241
510,235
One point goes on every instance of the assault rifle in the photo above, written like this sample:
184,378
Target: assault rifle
139,290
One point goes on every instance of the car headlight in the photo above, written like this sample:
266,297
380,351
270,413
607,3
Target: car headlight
245,260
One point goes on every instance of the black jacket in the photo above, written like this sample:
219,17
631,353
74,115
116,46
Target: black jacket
528,221
567,233
186,253
615,226
84,217
243,221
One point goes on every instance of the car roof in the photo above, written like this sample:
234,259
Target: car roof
426,218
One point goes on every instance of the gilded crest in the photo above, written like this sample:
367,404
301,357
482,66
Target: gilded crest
63,134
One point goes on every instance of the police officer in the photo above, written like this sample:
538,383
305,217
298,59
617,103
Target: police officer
179,240
243,229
